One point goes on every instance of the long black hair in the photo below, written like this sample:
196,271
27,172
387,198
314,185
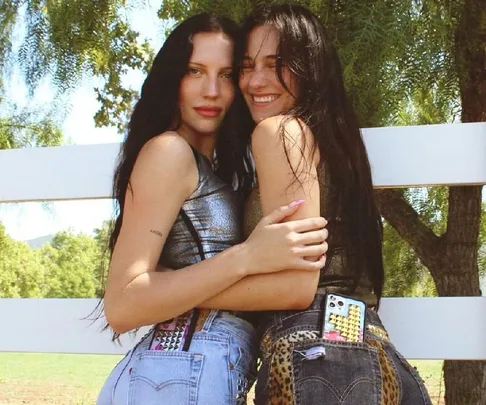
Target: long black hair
157,111
322,104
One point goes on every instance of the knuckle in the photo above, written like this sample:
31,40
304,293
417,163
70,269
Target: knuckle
294,251
291,239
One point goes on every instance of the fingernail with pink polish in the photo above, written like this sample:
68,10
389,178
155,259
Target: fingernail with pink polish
295,203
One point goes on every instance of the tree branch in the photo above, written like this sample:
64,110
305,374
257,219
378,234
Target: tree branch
405,220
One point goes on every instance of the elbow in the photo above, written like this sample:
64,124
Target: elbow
304,300
116,317
119,327
305,293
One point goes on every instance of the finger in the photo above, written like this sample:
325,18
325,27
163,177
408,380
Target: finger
312,250
307,224
311,237
279,214
308,265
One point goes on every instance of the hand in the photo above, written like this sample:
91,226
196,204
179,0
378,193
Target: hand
274,246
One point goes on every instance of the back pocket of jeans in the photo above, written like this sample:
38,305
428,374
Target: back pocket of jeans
160,377
348,374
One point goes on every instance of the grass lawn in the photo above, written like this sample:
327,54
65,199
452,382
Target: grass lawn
75,379
67,379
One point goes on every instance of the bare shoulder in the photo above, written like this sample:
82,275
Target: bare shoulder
166,157
274,131
168,145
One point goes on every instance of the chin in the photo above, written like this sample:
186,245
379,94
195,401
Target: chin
208,130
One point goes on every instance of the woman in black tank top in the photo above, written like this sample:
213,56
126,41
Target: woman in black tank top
307,144
177,252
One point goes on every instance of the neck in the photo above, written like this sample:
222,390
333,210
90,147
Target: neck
203,143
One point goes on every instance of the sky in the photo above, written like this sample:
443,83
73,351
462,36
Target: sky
25,221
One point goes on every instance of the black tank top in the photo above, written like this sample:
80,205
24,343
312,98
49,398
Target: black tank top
339,275
209,222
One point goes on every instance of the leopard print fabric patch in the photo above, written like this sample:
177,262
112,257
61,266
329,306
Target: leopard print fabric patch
280,383
390,392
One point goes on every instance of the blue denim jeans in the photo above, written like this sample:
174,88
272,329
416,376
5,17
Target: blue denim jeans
368,373
218,369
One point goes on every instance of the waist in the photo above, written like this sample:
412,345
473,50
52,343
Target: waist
280,323
226,321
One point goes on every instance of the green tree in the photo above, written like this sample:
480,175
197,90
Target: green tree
21,273
24,129
70,262
101,238
403,60
70,40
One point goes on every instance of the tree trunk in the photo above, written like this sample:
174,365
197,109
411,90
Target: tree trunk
465,381
452,258
452,262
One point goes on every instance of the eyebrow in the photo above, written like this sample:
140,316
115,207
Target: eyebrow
271,58
203,65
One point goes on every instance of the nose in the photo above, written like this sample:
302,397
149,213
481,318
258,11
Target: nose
256,78
211,87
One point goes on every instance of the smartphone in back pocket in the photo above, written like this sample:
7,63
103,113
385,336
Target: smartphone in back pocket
343,319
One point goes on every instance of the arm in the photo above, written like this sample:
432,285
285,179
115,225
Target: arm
164,176
292,289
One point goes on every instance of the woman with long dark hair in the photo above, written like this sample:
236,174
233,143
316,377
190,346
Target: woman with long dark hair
177,246
307,145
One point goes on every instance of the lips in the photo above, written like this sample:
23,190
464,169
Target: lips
209,112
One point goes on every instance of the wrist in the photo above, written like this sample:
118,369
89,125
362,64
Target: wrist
241,260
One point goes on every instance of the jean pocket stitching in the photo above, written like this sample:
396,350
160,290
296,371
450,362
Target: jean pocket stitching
191,382
371,354
340,395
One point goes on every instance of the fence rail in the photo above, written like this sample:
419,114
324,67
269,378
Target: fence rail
421,328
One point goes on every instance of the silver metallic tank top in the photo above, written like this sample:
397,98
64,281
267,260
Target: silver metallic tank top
209,222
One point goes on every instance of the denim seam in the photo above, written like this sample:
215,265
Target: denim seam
377,372
395,369
414,374
129,355
294,329
197,367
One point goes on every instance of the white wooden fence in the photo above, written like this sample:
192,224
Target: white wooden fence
421,328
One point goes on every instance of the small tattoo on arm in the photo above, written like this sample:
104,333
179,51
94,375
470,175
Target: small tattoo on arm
156,232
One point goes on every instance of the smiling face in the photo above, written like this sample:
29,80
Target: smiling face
263,92
207,90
